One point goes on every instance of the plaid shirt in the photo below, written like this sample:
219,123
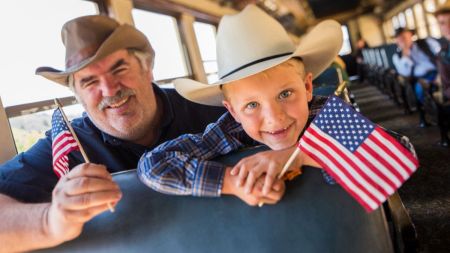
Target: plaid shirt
184,166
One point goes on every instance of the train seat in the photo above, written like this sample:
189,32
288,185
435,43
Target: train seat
312,217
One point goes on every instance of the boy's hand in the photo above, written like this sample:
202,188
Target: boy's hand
269,163
256,196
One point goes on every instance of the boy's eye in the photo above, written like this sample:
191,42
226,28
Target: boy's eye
251,105
285,94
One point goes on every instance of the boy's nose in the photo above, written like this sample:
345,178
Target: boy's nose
274,115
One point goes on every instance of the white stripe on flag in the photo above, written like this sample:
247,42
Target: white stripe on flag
387,158
64,149
380,196
397,152
385,171
362,195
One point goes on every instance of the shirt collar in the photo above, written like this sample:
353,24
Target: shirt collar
167,116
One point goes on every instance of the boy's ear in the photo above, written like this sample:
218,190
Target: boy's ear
231,110
309,86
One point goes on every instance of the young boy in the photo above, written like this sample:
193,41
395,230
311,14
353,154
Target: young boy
266,85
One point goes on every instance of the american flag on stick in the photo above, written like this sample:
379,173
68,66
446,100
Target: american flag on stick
64,141
365,160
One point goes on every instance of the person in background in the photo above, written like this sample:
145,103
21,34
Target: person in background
109,69
443,61
360,46
416,60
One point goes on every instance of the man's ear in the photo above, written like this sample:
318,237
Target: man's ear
231,110
308,86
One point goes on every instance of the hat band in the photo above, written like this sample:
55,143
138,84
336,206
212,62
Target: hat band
255,62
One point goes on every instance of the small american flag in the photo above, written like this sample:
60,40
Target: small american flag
366,161
63,143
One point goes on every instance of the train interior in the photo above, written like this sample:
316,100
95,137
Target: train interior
416,218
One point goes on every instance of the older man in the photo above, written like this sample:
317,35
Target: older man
108,66
443,61
416,60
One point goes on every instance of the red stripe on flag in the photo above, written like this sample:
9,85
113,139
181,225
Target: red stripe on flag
359,167
399,149
347,177
380,160
348,187
378,171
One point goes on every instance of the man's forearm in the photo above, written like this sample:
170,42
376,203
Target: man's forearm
23,226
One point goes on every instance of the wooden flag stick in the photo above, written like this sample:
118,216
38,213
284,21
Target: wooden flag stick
285,168
83,153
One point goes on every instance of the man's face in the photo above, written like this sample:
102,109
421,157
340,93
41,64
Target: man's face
272,106
117,94
444,24
404,39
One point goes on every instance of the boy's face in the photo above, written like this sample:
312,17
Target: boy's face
272,106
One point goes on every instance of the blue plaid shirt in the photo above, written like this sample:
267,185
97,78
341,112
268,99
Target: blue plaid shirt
184,166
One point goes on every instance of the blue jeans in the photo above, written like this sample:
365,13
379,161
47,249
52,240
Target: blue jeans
430,76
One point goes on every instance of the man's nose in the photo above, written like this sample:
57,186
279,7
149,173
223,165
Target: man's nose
109,86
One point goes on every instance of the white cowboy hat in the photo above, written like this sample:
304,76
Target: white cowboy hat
252,41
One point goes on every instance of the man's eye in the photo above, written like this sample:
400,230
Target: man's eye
251,105
120,70
284,94
87,84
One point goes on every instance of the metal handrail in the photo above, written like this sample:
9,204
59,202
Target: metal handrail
34,107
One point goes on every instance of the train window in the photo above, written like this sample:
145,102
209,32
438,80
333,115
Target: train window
395,22
401,19
32,42
421,27
388,30
433,26
206,38
170,61
346,46
410,18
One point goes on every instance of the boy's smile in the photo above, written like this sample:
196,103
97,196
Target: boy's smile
272,106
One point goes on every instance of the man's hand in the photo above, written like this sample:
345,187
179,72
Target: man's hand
230,186
79,196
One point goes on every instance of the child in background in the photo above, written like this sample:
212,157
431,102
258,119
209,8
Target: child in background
266,85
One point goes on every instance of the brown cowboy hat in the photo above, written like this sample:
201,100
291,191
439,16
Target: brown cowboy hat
90,38
444,8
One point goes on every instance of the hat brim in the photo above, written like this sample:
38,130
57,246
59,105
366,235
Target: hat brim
123,37
317,51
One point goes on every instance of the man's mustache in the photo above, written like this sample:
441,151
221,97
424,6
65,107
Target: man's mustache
120,95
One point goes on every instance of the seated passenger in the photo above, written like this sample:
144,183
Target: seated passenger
443,61
416,60
266,85
126,115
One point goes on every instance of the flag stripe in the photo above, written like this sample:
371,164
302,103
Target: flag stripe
344,175
397,152
357,171
386,159
367,202
378,168
366,161
63,143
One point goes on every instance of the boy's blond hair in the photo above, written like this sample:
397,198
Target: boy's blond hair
296,63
